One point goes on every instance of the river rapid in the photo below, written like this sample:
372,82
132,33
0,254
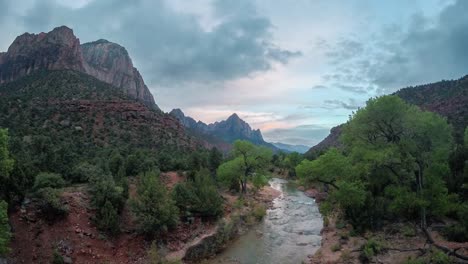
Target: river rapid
288,234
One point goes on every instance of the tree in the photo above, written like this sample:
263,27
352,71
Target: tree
6,163
327,169
199,196
154,209
108,218
395,158
52,180
215,159
248,160
5,234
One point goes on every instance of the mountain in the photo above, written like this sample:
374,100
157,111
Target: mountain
291,148
70,106
60,49
228,131
447,98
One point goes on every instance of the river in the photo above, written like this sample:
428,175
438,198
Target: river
288,234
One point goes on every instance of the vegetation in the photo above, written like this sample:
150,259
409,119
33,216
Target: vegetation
247,161
199,196
394,163
154,209
5,233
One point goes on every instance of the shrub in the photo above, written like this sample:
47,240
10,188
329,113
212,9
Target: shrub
456,232
51,204
200,196
259,211
259,181
85,171
370,249
439,257
336,247
154,209
107,218
57,258
408,231
51,180
5,234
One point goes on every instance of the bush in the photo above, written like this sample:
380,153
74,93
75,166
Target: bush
154,209
107,218
439,257
200,196
370,249
408,231
259,211
336,247
85,172
50,203
57,258
456,232
51,180
5,234
259,181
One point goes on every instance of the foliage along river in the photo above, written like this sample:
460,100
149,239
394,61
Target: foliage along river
288,234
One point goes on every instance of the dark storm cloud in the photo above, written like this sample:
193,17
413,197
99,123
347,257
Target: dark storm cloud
170,46
307,134
428,50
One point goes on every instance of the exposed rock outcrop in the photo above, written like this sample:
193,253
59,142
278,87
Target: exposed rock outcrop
60,49
110,62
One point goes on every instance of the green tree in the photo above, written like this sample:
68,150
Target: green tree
327,169
154,209
247,161
396,160
52,180
6,163
5,234
108,218
215,159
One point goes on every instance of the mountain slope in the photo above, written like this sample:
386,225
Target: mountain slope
447,98
60,49
73,107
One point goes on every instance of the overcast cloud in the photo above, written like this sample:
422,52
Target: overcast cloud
293,69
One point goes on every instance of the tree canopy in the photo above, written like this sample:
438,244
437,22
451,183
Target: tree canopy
394,162
247,161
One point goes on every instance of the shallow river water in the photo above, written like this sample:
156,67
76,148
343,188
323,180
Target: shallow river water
289,232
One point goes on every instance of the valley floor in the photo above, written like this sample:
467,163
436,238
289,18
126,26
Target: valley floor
77,239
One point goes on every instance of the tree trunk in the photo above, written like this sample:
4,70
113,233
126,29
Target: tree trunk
420,191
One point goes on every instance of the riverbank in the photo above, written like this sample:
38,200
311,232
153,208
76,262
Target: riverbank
397,242
240,214
290,229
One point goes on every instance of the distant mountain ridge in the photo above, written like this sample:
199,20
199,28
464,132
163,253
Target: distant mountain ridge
447,98
291,148
60,49
229,130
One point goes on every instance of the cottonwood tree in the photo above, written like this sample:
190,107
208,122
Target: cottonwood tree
248,160
395,158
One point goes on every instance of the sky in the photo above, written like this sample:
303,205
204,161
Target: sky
293,69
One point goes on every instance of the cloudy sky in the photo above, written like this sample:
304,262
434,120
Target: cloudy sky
293,69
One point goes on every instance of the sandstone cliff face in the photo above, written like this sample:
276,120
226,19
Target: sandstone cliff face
58,49
61,50
110,62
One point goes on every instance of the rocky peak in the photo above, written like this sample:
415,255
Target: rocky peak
110,62
60,49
